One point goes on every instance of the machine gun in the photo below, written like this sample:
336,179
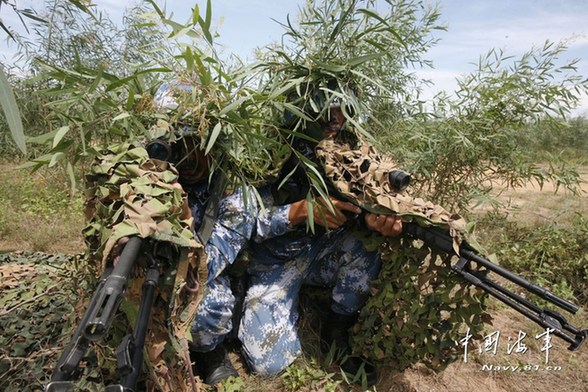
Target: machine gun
99,315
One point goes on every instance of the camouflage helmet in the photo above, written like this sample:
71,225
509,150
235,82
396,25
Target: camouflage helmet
171,99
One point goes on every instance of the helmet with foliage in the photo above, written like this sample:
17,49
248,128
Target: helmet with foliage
181,144
309,106
169,94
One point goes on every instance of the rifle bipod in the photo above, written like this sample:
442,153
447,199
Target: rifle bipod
547,318
99,316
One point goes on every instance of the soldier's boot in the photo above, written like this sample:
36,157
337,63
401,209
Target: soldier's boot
335,334
214,366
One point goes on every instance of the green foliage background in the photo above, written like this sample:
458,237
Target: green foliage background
97,85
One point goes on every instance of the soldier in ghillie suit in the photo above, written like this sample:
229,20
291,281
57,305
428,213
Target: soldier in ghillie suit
131,195
224,222
165,194
285,255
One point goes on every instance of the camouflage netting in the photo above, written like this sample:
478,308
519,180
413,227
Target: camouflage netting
129,194
418,308
37,314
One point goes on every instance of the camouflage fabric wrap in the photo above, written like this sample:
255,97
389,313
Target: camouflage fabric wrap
361,175
129,194
418,308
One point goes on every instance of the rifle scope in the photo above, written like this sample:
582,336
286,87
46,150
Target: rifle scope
159,149
399,180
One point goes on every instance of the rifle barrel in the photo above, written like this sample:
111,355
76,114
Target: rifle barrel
112,293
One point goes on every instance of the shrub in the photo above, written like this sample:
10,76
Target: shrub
550,255
37,213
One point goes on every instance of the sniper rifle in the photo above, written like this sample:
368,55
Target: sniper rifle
370,180
100,313
547,318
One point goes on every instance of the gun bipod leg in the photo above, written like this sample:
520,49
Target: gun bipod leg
545,318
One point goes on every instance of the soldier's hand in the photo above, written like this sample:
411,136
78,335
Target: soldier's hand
322,213
333,217
186,212
387,225
117,250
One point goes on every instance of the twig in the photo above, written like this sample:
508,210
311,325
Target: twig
32,299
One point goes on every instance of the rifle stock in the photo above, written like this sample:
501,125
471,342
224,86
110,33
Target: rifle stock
547,318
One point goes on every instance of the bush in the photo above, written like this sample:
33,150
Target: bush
549,138
550,255
37,213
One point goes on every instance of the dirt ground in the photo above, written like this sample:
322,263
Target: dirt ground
540,204
564,371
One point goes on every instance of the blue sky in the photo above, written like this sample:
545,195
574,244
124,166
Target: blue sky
474,27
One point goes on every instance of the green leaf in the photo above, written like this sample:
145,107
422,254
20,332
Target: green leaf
121,116
31,15
189,57
195,14
10,108
234,105
56,158
59,135
310,209
205,23
213,137
364,59
117,83
82,6
156,8
42,139
181,32
208,14
72,177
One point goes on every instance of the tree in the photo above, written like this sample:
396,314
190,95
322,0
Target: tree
474,140
7,100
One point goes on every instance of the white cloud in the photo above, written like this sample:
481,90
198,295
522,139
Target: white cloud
476,26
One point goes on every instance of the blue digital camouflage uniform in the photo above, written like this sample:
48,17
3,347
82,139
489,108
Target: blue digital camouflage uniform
283,258
233,227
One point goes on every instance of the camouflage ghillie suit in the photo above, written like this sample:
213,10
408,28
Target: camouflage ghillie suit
233,227
282,259
128,194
